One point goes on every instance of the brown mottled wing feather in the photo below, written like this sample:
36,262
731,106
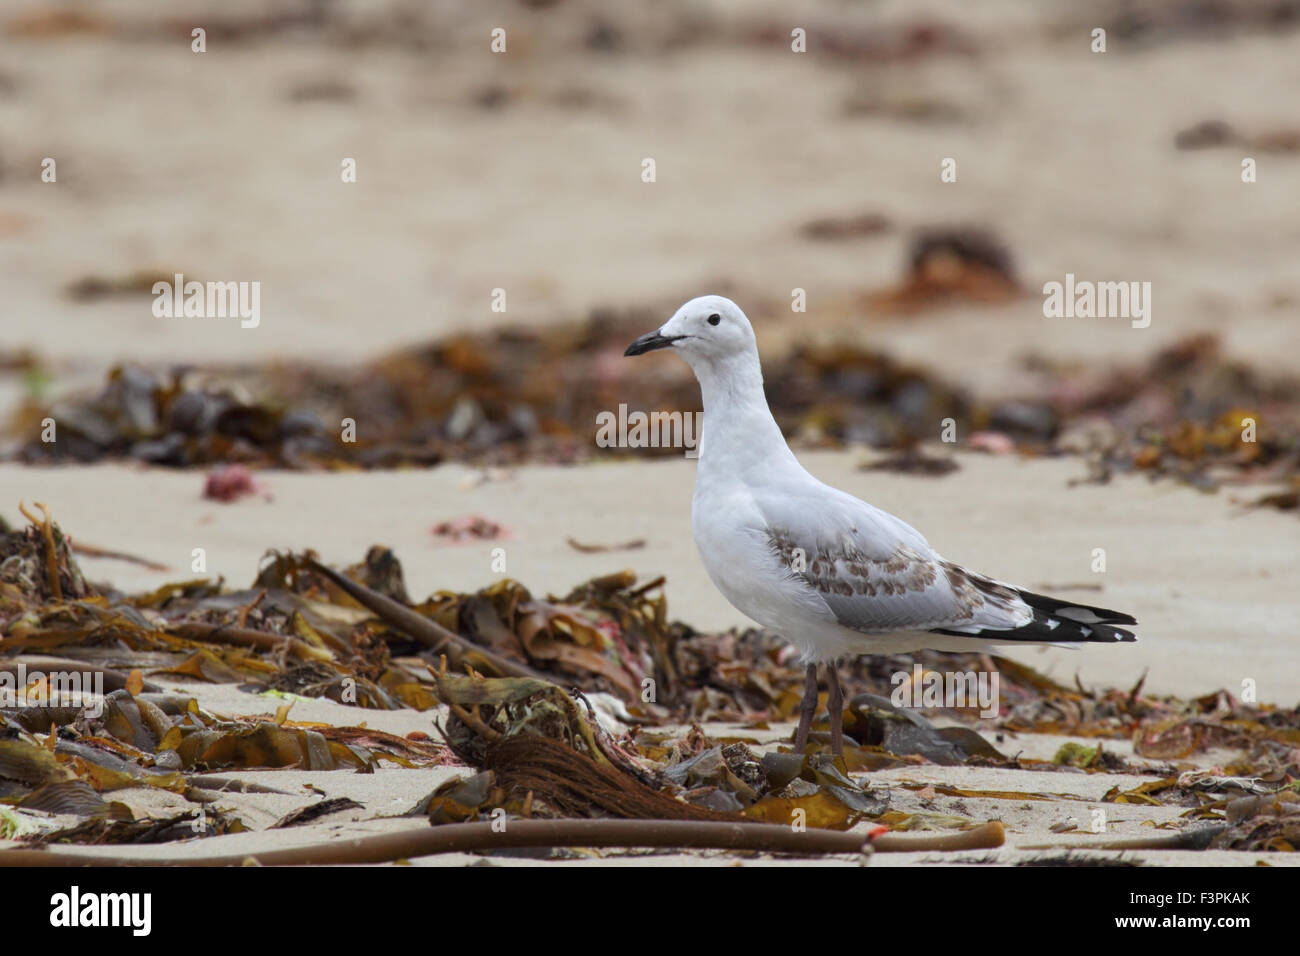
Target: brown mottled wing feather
877,574
907,590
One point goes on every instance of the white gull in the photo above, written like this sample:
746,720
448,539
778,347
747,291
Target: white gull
835,576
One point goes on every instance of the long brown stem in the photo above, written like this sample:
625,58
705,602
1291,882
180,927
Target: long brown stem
472,837
90,551
986,836
1198,839
113,679
429,633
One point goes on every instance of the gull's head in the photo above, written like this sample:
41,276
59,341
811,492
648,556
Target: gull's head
707,330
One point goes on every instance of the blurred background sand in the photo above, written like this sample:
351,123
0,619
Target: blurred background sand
522,170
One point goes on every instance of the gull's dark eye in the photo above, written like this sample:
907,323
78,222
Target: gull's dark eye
714,319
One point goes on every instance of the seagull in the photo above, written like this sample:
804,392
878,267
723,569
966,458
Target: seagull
835,576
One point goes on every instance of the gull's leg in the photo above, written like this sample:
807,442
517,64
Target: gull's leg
807,710
835,703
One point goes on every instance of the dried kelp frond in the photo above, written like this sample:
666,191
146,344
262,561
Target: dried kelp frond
544,752
314,812
813,789
485,711
382,572
77,798
901,732
265,745
540,746
1082,860
182,826
519,394
37,567
1275,832
952,264
572,784
135,739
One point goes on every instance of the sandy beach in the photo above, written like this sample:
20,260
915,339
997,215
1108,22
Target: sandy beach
1069,154
507,192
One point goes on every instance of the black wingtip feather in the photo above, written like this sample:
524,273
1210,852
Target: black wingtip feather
1044,629
1054,606
1057,621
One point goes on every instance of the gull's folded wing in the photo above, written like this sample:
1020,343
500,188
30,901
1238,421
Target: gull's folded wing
877,574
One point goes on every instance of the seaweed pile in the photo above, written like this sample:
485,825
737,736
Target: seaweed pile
591,705
508,396
503,396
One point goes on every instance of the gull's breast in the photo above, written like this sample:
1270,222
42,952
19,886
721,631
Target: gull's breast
735,548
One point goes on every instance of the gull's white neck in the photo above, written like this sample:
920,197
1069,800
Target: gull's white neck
740,433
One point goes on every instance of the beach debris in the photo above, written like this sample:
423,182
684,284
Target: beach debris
995,443
91,551
1073,754
1281,500
139,283
471,528
1206,133
914,461
36,564
314,812
540,750
951,264
633,545
905,40
838,228
100,831
228,483
1215,133
322,89
1189,412
546,753
1181,20
873,721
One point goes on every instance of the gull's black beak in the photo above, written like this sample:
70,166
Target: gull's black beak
651,341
